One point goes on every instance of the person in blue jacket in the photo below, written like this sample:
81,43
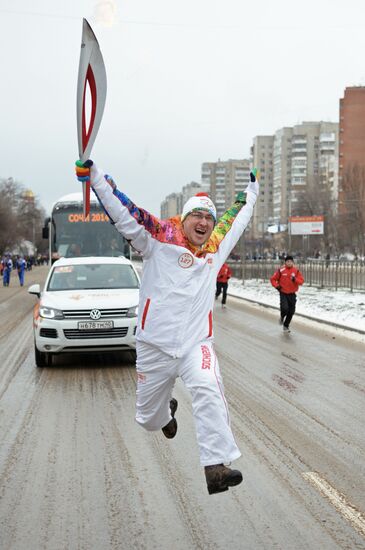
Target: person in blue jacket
8,266
21,265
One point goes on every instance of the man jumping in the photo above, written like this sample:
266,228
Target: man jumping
181,259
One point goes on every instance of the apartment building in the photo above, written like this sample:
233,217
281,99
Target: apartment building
314,156
173,204
281,175
224,179
304,157
294,162
352,168
189,190
328,158
352,128
352,138
262,157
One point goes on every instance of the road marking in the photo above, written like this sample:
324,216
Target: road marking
339,501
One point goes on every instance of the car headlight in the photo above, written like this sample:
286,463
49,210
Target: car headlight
50,313
132,312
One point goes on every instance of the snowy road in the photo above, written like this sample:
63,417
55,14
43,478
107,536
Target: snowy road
76,472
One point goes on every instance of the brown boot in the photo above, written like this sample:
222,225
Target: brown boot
219,478
170,429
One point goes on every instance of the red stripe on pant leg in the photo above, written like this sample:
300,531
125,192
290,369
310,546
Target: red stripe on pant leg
210,319
145,311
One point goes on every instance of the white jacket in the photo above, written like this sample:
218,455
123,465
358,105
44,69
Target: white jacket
178,284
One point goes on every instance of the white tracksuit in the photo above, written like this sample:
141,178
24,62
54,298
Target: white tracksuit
175,334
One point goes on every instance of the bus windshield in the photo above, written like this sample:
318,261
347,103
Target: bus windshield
71,236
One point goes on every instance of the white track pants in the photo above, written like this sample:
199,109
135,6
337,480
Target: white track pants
199,371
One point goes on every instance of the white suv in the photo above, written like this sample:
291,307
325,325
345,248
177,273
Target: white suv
87,304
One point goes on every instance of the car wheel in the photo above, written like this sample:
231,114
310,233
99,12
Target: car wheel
42,359
133,355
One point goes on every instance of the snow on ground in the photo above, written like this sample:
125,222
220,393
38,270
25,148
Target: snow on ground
342,306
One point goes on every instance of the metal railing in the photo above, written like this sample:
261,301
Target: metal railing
334,274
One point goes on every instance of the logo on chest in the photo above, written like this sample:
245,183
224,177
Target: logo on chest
185,260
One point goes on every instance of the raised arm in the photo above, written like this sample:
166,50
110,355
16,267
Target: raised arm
234,221
135,224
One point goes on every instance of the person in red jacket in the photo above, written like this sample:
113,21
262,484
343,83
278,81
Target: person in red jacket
287,280
222,283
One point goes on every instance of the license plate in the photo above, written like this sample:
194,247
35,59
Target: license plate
95,325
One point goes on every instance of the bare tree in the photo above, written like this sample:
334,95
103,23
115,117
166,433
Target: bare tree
318,201
9,190
21,217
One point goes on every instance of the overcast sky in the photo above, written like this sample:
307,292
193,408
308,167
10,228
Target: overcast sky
188,82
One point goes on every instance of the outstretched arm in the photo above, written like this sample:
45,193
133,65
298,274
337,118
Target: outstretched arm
234,221
135,224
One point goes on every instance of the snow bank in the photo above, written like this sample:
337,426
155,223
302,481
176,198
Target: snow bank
341,307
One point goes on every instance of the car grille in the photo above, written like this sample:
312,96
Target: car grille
75,334
85,313
48,333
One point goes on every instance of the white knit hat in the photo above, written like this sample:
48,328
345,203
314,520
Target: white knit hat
200,201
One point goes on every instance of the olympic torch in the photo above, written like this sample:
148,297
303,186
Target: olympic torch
92,77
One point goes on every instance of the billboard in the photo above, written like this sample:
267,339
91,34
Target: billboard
306,225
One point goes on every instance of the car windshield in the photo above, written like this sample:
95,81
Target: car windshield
92,276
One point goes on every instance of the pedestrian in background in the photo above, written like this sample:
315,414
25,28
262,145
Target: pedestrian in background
8,266
222,283
287,280
21,265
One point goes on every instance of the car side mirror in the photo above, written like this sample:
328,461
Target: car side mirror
35,289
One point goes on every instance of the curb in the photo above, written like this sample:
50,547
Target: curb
329,323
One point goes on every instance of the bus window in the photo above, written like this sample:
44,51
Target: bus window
72,236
